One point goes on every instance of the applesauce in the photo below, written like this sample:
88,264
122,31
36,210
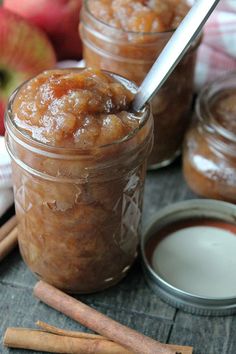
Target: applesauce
126,37
79,159
209,158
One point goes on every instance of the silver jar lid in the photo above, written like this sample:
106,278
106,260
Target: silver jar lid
189,256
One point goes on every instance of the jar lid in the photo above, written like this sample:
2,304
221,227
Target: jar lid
189,256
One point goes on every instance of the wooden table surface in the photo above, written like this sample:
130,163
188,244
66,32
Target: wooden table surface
131,302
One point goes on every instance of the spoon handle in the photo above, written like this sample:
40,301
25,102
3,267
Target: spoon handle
174,50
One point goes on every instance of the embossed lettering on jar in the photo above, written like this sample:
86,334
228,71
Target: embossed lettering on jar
126,37
79,161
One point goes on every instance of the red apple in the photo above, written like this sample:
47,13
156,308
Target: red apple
58,18
25,51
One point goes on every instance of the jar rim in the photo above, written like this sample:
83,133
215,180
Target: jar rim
202,108
11,125
121,30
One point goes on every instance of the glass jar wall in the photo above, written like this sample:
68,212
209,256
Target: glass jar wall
79,210
209,158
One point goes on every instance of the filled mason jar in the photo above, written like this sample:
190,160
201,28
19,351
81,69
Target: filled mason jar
79,159
209,156
126,37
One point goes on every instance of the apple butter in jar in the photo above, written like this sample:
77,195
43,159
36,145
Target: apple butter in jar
126,37
209,158
79,160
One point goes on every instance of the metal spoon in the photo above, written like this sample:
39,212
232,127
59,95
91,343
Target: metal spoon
174,50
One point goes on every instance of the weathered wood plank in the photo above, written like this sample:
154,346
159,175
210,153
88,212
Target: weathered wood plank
164,187
19,308
208,335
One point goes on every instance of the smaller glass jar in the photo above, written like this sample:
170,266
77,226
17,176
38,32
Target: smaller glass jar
209,158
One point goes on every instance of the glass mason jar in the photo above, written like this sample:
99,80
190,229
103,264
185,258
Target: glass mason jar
209,156
131,54
79,212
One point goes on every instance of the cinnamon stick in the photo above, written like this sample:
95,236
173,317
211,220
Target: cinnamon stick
62,332
98,322
25,338
8,243
7,227
76,334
